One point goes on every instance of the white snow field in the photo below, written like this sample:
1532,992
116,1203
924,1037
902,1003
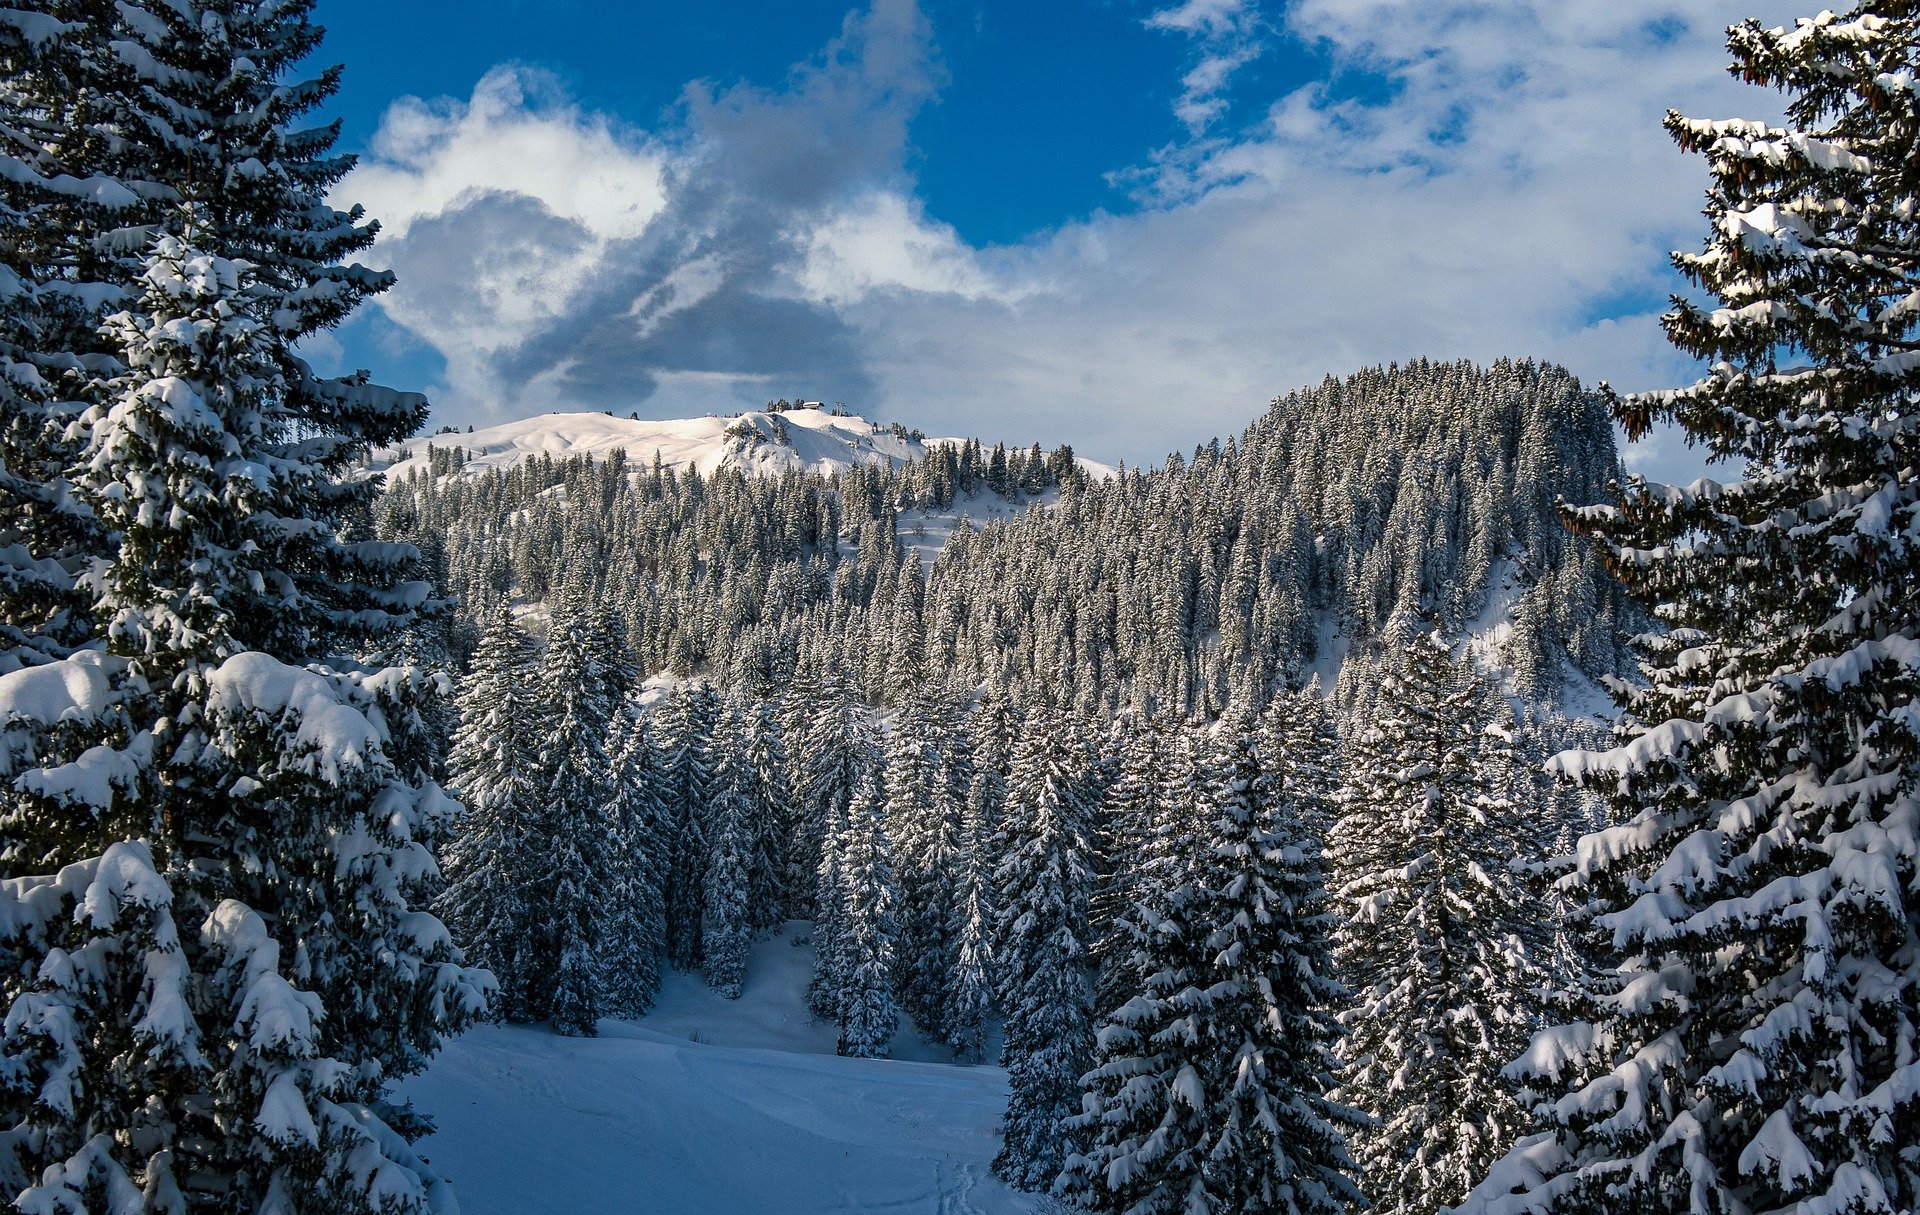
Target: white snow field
714,1107
766,443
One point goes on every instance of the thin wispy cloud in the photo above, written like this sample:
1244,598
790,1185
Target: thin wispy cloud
1229,35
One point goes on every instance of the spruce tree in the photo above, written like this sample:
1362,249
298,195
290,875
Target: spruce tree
834,750
231,1031
1437,935
923,821
730,815
1209,1088
637,823
775,819
489,900
969,987
74,214
867,933
570,886
689,731
1754,1046
1044,881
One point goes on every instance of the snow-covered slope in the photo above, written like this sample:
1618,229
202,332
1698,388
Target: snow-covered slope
714,1107
810,439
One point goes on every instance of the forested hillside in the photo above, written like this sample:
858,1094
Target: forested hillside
1249,810
1398,498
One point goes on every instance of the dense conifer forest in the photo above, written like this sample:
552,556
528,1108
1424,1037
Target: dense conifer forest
1394,806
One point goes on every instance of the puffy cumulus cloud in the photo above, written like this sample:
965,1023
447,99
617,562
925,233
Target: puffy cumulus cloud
1470,180
518,134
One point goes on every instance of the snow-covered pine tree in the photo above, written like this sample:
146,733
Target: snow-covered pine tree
828,981
1137,825
1437,936
1209,1090
571,889
73,210
969,988
922,822
489,898
861,758
775,819
1298,733
222,1027
867,933
834,751
637,931
1043,882
731,812
798,704
1758,1043
689,769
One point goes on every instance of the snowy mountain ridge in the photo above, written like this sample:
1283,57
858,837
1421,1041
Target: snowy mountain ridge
767,443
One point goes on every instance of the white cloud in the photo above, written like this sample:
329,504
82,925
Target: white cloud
517,133
1230,35
883,241
1477,179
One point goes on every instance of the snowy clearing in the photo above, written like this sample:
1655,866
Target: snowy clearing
713,1106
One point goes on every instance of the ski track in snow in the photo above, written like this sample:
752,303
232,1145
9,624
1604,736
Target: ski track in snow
756,1116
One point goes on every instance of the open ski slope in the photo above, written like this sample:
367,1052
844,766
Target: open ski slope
765,444
810,440
714,1107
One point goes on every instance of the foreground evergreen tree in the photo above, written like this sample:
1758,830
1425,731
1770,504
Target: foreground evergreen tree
835,750
1756,1047
923,820
489,901
73,213
1044,880
969,988
868,927
637,823
731,853
1437,935
571,889
1209,1088
218,1032
775,819
687,796
856,759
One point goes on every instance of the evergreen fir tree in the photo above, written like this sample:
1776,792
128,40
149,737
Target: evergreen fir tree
570,886
923,822
688,797
969,988
867,933
729,917
637,928
1437,937
834,751
1754,1046
775,819
489,898
1044,881
1209,1088
270,849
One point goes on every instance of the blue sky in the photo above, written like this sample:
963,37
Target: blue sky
1122,224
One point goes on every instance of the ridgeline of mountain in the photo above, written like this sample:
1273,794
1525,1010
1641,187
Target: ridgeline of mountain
1398,498
801,437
